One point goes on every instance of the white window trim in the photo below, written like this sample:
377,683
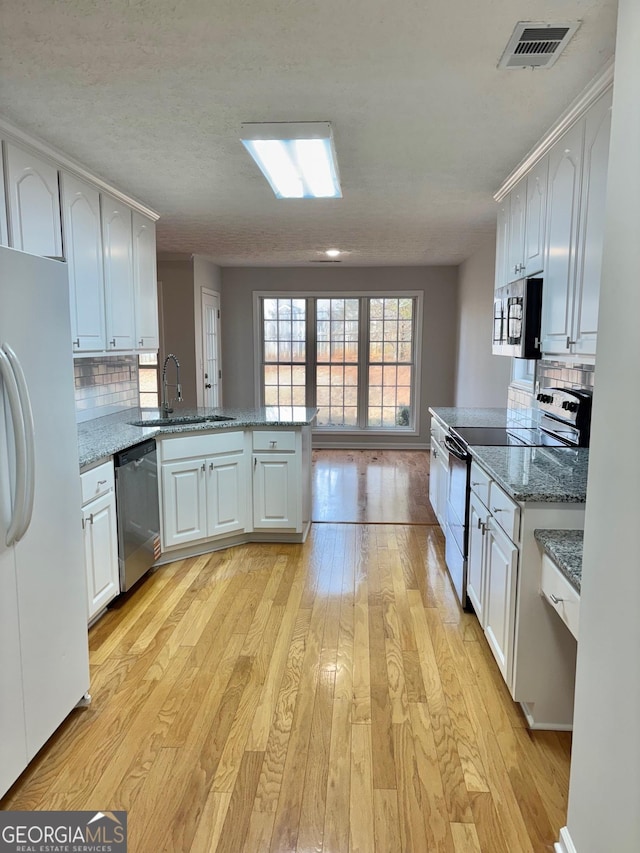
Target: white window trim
417,295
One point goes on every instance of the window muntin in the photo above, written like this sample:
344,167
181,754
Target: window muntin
337,335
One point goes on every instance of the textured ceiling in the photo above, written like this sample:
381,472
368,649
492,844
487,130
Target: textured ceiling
150,94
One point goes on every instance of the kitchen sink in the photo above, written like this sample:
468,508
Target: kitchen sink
181,420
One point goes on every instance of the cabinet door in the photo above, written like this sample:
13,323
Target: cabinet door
499,606
118,274
184,502
478,515
275,497
565,163
535,217
434,470
592,209
145,282
33,203
443,487
83,245
101,552
226,496
517,211
502,244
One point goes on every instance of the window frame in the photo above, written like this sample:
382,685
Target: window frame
363,354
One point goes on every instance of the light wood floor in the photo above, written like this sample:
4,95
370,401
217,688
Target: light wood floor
324,697
372,486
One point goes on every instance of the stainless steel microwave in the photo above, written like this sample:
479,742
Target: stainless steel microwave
517,309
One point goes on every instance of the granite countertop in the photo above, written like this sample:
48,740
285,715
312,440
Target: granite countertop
460,416
544,474
105,436
565,549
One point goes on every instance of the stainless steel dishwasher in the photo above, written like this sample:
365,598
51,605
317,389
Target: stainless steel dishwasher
137,510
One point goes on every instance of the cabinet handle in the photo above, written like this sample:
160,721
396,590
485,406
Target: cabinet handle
255,462
555,599
476,484
102,482
204,467
141,342
211,466
435,453
495,509
570,343
91,518
480,524
515,269
112,342
76,343
273,444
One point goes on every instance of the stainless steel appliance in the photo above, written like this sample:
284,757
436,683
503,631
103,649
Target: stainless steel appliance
138,512
517,309
565,422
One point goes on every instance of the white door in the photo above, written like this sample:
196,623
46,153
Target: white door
475,565
101,552
565,163
211,375
592,208
118,274
33,203
501,569
275,497
184,502
226,502
145,282
83,250
517,202
535,217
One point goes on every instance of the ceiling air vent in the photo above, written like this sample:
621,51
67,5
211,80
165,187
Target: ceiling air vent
536,44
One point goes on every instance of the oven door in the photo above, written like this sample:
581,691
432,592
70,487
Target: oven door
456,520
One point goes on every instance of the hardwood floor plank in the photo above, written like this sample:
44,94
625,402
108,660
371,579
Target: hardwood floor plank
386,825
236,824
413,834
211,821
362,836
487,823
384,775
465,838
413,676
336,822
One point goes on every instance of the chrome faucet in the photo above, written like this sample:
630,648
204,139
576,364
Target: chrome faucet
165,408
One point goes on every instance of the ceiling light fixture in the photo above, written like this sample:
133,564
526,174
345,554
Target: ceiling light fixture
297,158
332,253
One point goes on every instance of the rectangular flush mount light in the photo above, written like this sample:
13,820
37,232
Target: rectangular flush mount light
297,158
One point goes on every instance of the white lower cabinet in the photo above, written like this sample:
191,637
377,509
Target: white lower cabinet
478,517
438,472
276,496
226,479
184,502
499,613
100,538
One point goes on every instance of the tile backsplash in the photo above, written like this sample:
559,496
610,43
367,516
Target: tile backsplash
105,385
550,374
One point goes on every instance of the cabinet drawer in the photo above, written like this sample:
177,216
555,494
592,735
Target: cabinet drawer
277,440
97,481
203,444
505,511
480,482
560,595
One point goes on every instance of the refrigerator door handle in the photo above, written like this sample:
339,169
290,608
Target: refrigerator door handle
13,398
30,441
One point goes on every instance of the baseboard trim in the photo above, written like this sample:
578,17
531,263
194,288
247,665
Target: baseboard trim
565,844
546,726
320,444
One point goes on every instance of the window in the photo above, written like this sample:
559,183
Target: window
352,357
148,380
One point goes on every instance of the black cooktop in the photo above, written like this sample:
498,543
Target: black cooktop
499,436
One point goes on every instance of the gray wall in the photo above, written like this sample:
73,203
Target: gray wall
438,284
604,790
482,379
177,330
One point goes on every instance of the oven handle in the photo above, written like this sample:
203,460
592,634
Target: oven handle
453,447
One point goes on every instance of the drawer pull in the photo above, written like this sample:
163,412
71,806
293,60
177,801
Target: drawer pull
476,484
273,443
496,509
555,598
102,482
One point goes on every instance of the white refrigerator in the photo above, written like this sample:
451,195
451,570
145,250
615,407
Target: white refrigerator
44,662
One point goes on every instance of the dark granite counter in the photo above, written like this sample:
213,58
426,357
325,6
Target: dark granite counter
105,436
565,549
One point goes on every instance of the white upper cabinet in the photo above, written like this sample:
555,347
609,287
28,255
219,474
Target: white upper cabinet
565,166
145,282
535,217
502,243
590,241
118,274
33,203
83,243
517,211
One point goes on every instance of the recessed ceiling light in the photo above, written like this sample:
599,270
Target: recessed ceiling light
298,159
332,253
